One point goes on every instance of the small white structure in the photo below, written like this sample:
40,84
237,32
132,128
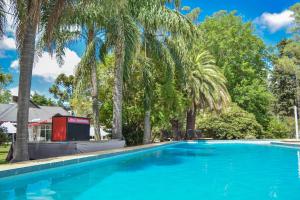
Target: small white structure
10,127
104,134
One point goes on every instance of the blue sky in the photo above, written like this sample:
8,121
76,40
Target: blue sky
270,17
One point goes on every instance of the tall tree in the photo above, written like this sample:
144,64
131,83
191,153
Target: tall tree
124,37
156,53
27,17
115,24
85,17
286,72
205,86
242,56
87,71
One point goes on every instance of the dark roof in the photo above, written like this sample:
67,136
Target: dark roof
31,103
8,112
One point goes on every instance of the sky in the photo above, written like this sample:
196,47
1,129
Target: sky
271,19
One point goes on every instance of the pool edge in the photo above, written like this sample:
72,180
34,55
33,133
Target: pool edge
8,170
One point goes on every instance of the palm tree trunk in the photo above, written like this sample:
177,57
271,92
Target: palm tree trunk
94,83
118,85
147,127
190,120
20,152
176,128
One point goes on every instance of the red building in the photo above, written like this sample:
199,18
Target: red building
68,128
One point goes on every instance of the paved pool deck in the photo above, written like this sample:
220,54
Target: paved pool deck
11,169
288,142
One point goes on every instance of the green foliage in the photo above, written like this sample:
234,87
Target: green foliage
241,55
279,128
62,89
205,83
5,96
285,77
3,136
296,24
133,134
233,123
5,79
169,65
82,105
255,97
284,84
41,100
106,81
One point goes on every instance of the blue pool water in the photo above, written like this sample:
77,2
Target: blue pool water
177,172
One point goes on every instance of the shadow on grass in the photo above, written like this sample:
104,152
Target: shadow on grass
3,153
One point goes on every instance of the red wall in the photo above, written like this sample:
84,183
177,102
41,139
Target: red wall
59,128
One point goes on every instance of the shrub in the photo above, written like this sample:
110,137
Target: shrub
133,134
3,136
232,123
279,128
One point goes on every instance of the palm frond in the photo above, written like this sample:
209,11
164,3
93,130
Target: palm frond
131,41
206,85
2,17
27,15
83,70
55,11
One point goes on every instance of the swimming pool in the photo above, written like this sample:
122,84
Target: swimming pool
209,171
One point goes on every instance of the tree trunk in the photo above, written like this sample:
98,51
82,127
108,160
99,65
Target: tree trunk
118,85
20,152
94,83
147,127
176,128
190,120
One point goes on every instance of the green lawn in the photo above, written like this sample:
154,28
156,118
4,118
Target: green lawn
3,152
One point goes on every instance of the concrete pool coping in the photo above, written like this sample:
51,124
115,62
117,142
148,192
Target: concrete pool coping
12,169
289,143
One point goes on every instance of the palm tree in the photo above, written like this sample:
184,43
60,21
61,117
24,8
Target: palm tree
81,20
122,36
87,71
118,86
27,16
156,53
205,86
118,31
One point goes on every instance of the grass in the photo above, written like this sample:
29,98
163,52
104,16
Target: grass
3,152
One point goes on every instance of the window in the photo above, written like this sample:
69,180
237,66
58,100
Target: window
45,132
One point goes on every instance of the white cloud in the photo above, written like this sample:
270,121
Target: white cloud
15,65
48,68
7,43
14,91
275,21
